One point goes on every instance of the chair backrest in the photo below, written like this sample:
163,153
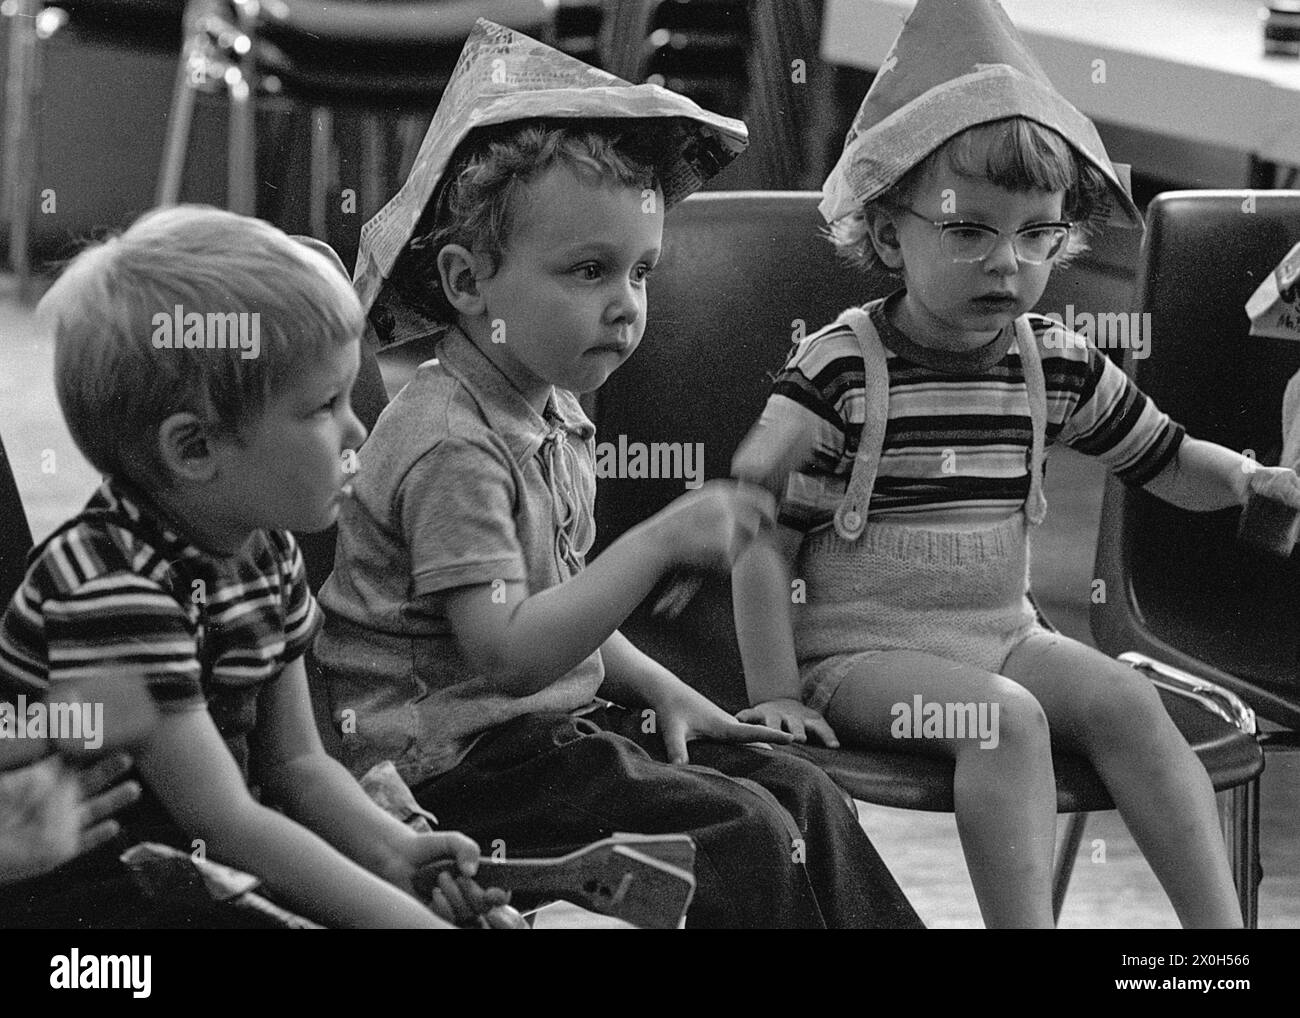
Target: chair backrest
15,534
1178,584
743,274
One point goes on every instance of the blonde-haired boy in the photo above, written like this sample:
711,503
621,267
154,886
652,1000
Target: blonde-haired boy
180,575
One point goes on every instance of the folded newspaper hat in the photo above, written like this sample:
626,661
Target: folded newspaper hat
503,76
956,64
1274,307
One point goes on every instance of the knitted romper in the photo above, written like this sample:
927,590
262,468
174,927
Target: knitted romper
878,586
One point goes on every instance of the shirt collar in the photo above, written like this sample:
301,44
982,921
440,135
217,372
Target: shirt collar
119,498
951,361
504,407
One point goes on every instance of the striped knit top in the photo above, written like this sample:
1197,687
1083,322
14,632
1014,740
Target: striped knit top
117,593
959,433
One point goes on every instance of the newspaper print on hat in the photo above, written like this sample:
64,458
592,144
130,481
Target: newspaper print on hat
503,76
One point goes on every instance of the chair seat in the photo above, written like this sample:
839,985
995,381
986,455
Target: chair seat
394,24
152,24
354,81
913,781
903,779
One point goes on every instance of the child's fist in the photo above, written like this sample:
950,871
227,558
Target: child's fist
1281,484
710,527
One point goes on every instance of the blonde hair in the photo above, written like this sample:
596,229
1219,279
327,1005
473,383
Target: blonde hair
1015,153
115,387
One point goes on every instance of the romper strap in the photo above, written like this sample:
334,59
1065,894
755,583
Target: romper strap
851,516
1032,365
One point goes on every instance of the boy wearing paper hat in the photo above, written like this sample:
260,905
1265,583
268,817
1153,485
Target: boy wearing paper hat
906,442
464,628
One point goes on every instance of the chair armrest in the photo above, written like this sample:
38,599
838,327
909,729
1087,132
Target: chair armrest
1209,695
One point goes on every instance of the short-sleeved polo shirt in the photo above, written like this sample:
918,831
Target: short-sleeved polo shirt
462,483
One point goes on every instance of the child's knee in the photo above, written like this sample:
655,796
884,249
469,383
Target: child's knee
1018,724
1122,709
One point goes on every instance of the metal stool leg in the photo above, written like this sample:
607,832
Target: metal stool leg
179,120
1242,832
322,142
1065,855
412,128
241,156
372,162
19,151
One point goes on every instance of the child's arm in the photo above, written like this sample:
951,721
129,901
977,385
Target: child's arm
780,443
188,766
121,712
526,642
316,790
760,585
681,713
1204,476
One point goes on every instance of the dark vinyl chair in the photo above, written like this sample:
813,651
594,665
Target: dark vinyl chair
1180,586
742,274
15,534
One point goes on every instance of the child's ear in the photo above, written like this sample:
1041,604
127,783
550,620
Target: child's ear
186,448
458,274
883,231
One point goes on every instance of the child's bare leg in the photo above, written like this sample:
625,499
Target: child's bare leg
1106,711
1005,794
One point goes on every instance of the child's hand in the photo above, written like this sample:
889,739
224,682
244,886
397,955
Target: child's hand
683,714
793,717
1278,483
709,528
462,901
49,813
459,899
104,793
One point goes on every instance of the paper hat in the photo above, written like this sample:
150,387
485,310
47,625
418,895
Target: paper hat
503,76
1274,307
956,63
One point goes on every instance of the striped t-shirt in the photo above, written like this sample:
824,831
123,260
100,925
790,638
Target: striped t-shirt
116,592
959,433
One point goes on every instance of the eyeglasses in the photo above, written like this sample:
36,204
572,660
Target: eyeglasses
973,242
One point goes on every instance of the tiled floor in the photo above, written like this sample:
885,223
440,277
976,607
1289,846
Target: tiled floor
921,849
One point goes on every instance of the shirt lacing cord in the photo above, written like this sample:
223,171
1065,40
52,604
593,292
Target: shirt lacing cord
574,526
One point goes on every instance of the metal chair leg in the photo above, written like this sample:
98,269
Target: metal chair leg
412,128
1065,856
322,144
372,163
19,152
179,120
241,156
1242,833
